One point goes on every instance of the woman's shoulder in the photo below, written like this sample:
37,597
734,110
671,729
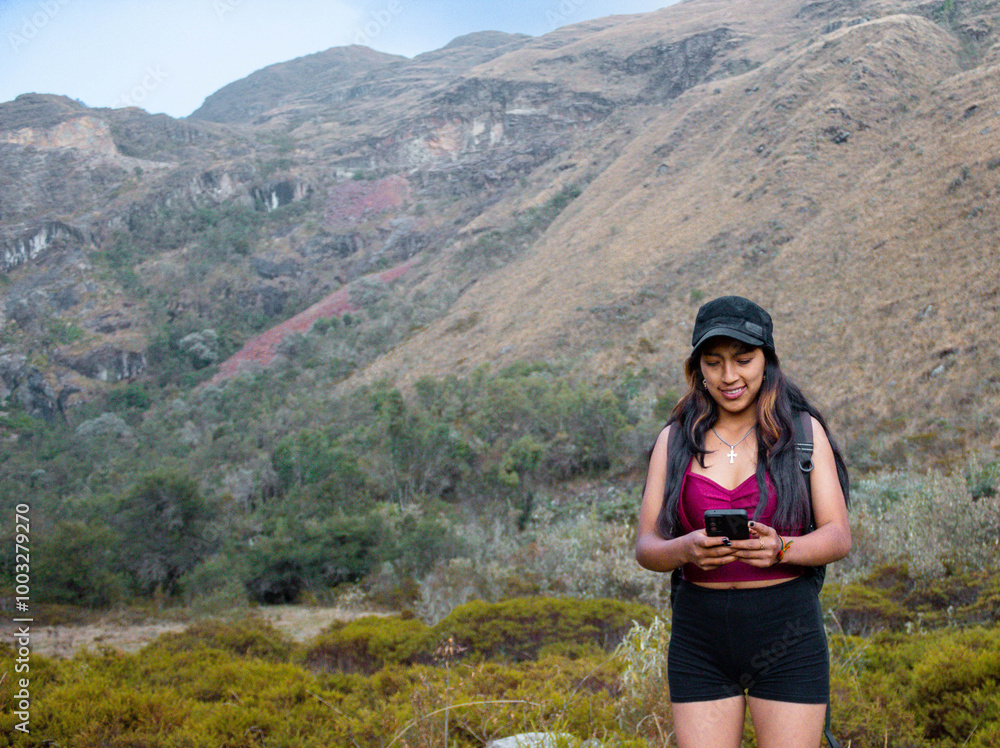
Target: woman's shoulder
666,437
663,438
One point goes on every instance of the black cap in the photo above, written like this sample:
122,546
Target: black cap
733,317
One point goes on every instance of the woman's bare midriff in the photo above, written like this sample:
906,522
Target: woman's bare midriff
744,585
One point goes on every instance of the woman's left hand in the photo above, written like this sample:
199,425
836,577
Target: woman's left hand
761,549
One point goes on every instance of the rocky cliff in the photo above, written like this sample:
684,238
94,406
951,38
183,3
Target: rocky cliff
571,196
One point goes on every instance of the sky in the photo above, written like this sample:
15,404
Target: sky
168,55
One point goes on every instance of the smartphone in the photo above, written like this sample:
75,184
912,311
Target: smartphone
728,523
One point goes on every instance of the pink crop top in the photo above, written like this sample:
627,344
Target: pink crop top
699,493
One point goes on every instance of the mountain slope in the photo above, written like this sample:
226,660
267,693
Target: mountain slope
328,72
570,197
846,183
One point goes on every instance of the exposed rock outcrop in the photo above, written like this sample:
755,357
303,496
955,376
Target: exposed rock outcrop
36,241
107,363
26,384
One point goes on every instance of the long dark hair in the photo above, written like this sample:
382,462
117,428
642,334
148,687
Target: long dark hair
778,402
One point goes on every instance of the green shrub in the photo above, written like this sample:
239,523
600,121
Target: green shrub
128,397
215,685
511,630
165,519
368,644
58,332
311,456
517,629
75,565
251,637
312,555
893,597
665,405
861,610
928,690
417,544
956,685
215,586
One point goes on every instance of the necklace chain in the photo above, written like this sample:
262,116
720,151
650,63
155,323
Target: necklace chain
732,447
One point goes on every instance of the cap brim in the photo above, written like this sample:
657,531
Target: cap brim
728,332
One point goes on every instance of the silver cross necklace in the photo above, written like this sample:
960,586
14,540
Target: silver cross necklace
732,447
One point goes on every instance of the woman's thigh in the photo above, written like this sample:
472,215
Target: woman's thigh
783,724
718,723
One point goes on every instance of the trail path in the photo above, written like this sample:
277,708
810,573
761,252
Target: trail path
300,623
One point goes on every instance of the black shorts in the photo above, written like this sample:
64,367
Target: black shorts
768,642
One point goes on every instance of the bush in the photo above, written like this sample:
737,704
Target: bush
309,457
239,685
645,702
165,519
892,597
929,690
513,630
417,544
250,637
215,586
313,555
934,521
861,610
578,556
368,644
74,566
128,397
517,629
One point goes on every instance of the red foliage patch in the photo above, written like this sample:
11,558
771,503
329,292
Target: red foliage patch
262,348
355,201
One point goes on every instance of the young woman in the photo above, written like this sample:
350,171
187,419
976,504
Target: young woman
747,627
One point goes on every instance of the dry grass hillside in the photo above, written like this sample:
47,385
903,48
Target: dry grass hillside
848,182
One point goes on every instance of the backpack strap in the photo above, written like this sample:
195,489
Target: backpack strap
828,730
804,450
804,443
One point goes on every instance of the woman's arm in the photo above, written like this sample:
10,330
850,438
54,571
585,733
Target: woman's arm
657,553
831,540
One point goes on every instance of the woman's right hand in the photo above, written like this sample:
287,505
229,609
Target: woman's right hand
707,552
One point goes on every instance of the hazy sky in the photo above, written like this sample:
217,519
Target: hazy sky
168,55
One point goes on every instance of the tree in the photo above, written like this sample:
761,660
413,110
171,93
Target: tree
74,566
164,523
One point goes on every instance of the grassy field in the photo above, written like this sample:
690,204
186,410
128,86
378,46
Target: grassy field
557,631
582,668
